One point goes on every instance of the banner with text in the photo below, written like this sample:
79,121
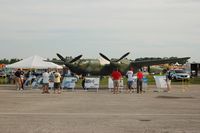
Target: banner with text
92,82
69,82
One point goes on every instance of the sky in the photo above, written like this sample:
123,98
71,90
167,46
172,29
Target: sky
145,28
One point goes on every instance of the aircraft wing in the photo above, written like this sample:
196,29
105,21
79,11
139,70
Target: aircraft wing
159,61
59,62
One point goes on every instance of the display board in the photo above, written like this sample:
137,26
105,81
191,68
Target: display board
69,82
92,82
161,82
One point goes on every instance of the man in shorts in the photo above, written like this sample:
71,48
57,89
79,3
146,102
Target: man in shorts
45,77
57,81
116,76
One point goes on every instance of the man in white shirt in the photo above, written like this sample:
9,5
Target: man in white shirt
129,75
45,77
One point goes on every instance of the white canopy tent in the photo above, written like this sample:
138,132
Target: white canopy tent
35,62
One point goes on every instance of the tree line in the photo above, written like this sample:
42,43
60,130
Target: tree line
154,58
13,60
9,61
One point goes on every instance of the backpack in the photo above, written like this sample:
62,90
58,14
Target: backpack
169,76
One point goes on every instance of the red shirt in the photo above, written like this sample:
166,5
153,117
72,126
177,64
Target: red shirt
116,75
139,75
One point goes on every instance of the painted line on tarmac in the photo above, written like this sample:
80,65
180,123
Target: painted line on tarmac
98,114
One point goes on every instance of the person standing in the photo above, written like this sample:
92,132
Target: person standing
116,76
168,80
139,81
27,78
66,72
19,75
45,77
57,81
83,82
22,79
129,75
18,79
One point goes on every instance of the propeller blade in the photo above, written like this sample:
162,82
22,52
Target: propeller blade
75,59
103,56
61,57
122,57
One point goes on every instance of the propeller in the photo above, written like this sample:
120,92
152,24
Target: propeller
76,58
122,57
73,60
106,58
61,57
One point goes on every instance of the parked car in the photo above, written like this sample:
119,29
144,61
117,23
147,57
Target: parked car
2,74
179,74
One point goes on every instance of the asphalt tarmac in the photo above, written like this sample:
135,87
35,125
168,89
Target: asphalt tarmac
29,111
